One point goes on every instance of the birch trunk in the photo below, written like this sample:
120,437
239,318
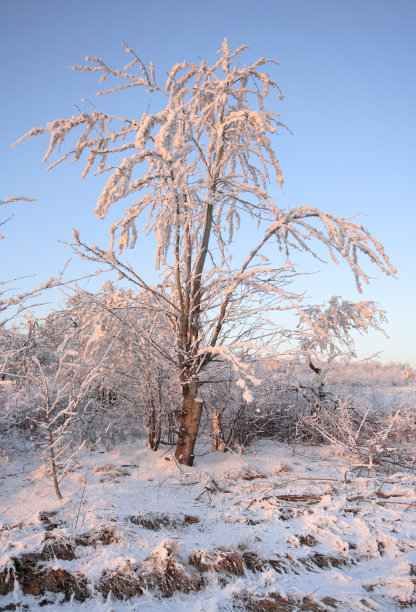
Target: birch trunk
188,430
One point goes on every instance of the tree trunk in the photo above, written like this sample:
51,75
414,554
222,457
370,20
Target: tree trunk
218,433
53,462
188,430
154,427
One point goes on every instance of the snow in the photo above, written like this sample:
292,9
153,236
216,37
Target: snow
332,528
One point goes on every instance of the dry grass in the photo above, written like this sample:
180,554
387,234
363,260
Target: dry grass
323,561
36,580
49,520
307,540
6,581
276,602
161,572
164,572
59,548
123,583
155,521
255,562
220,559
104,536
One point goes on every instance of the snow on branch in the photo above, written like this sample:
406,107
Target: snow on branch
17,199
208,135
329,330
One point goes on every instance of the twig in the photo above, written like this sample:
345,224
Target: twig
217,486
82,497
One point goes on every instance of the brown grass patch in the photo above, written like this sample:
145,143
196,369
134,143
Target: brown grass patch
283,563
255,562
6,528
188,519
59,548
104,536
111,472
221,559
275,602
325,561
307,540
35,580
123,583
331,602
154,521
162,571
251,475
6,581
49,520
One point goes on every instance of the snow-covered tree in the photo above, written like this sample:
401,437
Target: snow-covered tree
189,173
51,390
137,382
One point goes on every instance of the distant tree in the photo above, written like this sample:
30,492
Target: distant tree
409,374
193,170
326,336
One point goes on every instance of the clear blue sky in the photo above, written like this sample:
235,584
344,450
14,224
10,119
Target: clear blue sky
348,73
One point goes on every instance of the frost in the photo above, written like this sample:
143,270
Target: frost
188,175
247,396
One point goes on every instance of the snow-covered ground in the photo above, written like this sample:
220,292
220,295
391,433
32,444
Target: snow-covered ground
278,528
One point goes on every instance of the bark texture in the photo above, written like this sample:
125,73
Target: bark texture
188,430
